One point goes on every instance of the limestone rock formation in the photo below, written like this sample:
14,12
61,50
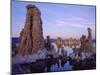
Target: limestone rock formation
86,43
48,44
31,36
59,42
83,47
89,42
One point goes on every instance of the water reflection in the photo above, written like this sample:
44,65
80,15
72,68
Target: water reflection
54,65
57,65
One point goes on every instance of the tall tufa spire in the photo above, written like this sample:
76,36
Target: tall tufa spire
31,36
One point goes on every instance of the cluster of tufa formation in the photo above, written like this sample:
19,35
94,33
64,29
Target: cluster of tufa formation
31,36
86,43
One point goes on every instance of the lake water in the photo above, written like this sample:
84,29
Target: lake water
52,64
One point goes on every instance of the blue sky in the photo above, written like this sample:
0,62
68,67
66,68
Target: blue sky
62,20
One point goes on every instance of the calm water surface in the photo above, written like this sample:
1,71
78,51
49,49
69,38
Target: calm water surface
53,65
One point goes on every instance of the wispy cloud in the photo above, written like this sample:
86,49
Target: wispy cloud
60,22
81,25
15,34
76,19
74,22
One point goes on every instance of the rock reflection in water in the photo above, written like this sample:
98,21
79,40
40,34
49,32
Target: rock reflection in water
57,65
54,65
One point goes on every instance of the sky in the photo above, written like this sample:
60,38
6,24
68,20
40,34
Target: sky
59,20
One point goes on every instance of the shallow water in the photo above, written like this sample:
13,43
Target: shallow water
53,65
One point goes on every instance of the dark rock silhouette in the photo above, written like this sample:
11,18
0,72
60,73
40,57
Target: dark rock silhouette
31,36
48,43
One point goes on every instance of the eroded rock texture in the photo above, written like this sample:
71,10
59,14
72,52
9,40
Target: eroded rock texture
31,36
89,41
86,43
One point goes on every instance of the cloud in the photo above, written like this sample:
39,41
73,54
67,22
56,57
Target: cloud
15,34
78,24
76,19
82,25
60,22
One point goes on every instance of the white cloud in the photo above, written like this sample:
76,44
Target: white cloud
76,19
60,22
15,34
79,24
